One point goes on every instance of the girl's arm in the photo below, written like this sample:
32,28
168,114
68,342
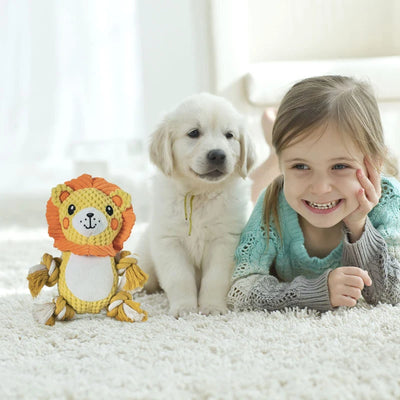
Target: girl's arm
373,254
265,292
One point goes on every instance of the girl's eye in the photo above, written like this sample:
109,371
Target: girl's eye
340,166
300,166
195,133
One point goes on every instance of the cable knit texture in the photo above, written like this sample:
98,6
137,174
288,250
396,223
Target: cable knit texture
301,280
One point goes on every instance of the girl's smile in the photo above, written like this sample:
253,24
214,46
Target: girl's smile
323,208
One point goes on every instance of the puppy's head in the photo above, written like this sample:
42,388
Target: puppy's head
203,139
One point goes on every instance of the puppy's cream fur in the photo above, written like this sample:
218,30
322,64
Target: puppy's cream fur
188,248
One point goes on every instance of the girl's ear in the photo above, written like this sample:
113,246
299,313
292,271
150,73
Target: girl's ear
247,153
121,199
60,193
161,148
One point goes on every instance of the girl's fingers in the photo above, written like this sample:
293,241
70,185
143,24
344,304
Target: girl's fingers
364,204
352,271
355,281
368,186
347,301
356,272
374,176
366,183
367,279
352,292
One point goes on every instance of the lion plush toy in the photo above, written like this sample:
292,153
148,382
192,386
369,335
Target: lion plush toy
89,220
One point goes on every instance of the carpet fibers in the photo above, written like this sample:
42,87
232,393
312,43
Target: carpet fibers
296,354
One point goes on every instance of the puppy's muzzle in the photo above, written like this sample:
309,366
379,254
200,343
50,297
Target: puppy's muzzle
215,167
216,157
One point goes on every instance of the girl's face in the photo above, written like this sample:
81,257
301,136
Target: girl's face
320,177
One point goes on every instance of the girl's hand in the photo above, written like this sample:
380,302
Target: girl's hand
345,285
368,197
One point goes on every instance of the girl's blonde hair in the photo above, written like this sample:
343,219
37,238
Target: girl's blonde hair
312,102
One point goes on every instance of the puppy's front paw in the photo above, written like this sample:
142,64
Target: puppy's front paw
213,309
181,310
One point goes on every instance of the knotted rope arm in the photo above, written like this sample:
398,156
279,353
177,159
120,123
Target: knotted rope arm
45,273
134,276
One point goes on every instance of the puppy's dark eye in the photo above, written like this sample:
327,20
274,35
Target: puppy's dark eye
71,209
194,134
109,210
229,135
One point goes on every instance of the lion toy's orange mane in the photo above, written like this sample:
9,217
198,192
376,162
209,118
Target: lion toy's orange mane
87,192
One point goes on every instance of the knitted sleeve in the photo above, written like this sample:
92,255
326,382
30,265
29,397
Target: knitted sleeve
378,249
253,254
265,292
254,288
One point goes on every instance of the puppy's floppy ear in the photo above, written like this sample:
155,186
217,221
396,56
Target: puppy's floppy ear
247,153
161,148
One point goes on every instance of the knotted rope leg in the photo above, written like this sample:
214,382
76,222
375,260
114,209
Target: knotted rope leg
58,310
124,309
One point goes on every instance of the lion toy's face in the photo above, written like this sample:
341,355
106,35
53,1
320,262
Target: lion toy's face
89,216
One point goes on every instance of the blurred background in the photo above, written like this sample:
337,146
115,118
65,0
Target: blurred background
83,83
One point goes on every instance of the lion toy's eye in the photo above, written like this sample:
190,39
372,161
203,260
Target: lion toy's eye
109,210
71,209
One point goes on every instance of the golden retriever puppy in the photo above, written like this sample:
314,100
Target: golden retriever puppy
201,202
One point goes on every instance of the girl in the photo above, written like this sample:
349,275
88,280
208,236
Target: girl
327,230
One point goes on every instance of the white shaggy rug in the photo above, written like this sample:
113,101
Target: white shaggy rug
296,354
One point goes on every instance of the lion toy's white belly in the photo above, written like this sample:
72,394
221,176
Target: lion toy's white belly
87,282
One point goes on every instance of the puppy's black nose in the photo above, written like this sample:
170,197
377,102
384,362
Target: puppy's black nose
90,215
216,157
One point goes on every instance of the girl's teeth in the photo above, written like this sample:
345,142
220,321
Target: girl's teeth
324,206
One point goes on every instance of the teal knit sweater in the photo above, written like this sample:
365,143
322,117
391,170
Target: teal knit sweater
254,256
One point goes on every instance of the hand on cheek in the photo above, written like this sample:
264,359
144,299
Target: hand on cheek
367,197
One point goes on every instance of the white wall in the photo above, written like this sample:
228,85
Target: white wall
322,29
175,53
69,84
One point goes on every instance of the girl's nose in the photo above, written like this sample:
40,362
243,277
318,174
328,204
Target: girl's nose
320,184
